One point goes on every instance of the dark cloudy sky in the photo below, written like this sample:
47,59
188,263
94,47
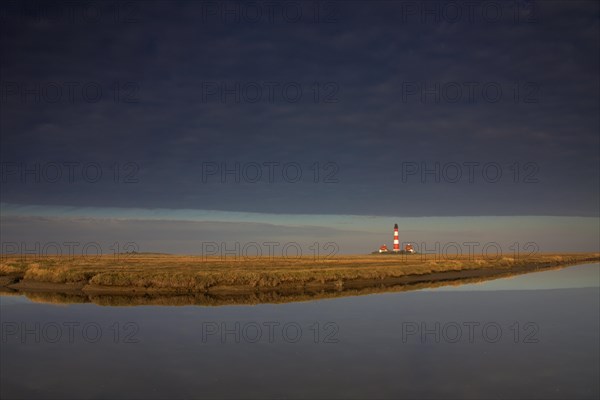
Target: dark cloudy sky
360,97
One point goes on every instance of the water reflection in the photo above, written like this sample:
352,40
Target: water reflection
392,345
579,276
554,277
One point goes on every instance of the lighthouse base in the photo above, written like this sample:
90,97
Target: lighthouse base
394,253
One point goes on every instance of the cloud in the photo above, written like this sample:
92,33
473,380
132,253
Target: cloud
370,53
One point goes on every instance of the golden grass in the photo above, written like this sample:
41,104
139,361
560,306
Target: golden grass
248,297
197,273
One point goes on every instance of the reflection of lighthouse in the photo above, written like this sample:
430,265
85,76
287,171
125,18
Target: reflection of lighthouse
396,241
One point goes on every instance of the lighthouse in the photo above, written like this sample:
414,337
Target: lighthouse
396,241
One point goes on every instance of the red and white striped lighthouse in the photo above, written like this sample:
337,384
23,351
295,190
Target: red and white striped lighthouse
396,241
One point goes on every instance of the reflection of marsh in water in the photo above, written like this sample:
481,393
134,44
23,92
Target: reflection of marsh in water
347,347
579,276
277,297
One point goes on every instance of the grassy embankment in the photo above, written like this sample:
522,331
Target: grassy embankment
144,273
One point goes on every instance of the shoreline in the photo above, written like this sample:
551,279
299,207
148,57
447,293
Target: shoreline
347,281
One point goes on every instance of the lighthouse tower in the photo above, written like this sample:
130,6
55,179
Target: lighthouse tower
396,241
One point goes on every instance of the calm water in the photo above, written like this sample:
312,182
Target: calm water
531,336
